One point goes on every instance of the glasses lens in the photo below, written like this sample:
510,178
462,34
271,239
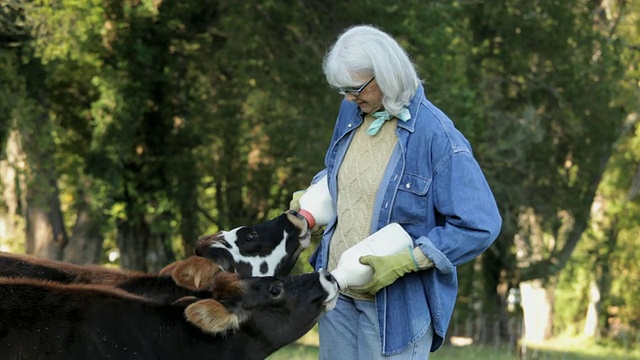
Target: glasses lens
345,91
354,91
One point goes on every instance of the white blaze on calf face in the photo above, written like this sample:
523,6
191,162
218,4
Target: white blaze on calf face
266,249
257,263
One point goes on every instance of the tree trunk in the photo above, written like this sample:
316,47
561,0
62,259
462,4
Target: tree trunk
496,265
537,306
7,213
85,244
133,242
159,253
188,204
591,327
45,233
140,249
11,190
600,286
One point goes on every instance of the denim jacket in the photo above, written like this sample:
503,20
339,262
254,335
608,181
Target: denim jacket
436,190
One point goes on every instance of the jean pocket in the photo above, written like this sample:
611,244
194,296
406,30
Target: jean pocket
411,200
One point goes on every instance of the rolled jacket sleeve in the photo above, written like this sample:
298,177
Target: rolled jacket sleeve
470,217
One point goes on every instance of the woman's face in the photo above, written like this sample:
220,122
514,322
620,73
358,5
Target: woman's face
369,99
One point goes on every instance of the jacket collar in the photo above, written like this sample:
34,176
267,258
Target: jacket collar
414,106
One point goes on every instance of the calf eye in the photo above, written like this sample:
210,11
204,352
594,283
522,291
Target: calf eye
276,290
253,236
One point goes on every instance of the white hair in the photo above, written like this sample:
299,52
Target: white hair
364,50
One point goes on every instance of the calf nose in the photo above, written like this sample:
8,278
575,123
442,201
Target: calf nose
330,285
327,275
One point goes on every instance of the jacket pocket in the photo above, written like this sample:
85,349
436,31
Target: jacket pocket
411,199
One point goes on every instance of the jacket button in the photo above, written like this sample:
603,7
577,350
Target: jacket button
349,125
408,185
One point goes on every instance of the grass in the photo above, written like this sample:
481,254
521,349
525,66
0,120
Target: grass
570,348
306,348
296,351
533,352
557,349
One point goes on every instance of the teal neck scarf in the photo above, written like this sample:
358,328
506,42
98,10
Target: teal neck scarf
382,116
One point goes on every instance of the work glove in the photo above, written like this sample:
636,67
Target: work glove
314,204
294,204
387,269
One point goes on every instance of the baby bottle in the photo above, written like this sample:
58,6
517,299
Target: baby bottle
389,240
316,205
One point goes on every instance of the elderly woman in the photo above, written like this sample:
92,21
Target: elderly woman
396,158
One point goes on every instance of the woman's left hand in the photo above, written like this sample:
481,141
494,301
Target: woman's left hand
387,269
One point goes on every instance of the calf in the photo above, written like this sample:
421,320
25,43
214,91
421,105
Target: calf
276,244
265,249
168,288
246,318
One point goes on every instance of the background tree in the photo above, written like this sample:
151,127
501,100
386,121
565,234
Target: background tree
603,274
138,126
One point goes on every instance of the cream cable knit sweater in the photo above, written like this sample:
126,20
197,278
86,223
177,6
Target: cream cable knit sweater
359,179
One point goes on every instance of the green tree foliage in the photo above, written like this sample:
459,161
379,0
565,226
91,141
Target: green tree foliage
606,257
160,121
551,97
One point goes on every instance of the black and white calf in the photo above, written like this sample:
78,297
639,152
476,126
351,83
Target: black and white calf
243,319
270,248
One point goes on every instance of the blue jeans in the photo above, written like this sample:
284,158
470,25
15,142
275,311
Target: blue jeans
350,332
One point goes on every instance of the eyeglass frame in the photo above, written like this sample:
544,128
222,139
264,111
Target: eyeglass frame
354,92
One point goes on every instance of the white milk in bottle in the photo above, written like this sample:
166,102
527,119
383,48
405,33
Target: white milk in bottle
389,240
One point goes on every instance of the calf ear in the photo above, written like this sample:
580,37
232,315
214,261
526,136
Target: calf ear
212,317
186,300
167,270
194,272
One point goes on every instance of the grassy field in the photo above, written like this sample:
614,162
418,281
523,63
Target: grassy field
557,349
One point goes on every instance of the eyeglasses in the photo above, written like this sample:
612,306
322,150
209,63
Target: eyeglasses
354,91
